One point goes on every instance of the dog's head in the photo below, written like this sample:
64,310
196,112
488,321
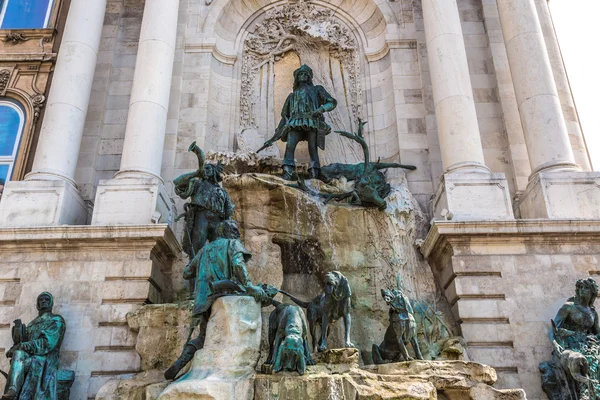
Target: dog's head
290,355
337,285
394,298
578,365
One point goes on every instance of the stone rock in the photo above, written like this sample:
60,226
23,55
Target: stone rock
338,387
223,369
344,355
415,380
443,374
484,392
146,385
162,332
295,240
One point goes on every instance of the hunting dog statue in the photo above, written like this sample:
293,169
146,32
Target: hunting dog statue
402,330
288,347
327,308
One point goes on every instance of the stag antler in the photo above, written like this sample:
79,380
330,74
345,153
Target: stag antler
359,138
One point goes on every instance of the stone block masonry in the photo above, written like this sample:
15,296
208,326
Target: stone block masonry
97,275
505,281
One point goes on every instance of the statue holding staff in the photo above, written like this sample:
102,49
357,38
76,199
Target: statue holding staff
302,119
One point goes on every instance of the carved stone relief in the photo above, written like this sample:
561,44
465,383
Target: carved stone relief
4,78
321,41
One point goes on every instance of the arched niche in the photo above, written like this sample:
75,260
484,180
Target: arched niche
242,107
275,44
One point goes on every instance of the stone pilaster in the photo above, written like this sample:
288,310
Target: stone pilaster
460,141
49,195
136,195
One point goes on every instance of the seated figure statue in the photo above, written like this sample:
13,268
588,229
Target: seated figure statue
221,260
574,372
34,365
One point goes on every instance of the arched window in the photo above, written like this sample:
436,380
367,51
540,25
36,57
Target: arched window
25,14
12,120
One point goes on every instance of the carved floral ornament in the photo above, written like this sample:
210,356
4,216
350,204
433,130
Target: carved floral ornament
296,27
4,78
15,37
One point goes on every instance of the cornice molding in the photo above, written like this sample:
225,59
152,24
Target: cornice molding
446,233
77,237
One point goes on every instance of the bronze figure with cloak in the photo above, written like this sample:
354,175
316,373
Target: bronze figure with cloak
34,366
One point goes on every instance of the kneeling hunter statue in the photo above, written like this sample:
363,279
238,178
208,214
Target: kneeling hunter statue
223,259
302,119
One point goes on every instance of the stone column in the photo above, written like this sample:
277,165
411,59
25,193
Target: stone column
557,188
136,194
468,189
49,196
539,106
563,87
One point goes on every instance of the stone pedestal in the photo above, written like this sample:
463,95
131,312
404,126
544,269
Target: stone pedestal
224,368
562,195
126,201
41,203
472,196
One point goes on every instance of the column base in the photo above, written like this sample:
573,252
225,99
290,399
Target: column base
562,195
472,196
41,203
132,201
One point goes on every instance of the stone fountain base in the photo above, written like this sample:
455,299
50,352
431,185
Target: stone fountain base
336,376
414,380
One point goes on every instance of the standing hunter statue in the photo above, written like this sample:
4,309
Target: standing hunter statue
302,119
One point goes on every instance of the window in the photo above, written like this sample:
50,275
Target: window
25,14
12,120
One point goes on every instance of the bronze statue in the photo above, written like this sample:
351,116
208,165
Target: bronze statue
209,203
402,330
327,308
288,347
34,365
224,259
573,373
302,119
370,184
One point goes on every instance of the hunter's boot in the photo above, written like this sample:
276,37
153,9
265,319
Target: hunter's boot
315,173
186,356
288,172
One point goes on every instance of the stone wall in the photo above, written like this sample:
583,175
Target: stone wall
97,275
505,281
394,79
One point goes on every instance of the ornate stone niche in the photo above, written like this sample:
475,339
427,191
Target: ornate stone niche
284,38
